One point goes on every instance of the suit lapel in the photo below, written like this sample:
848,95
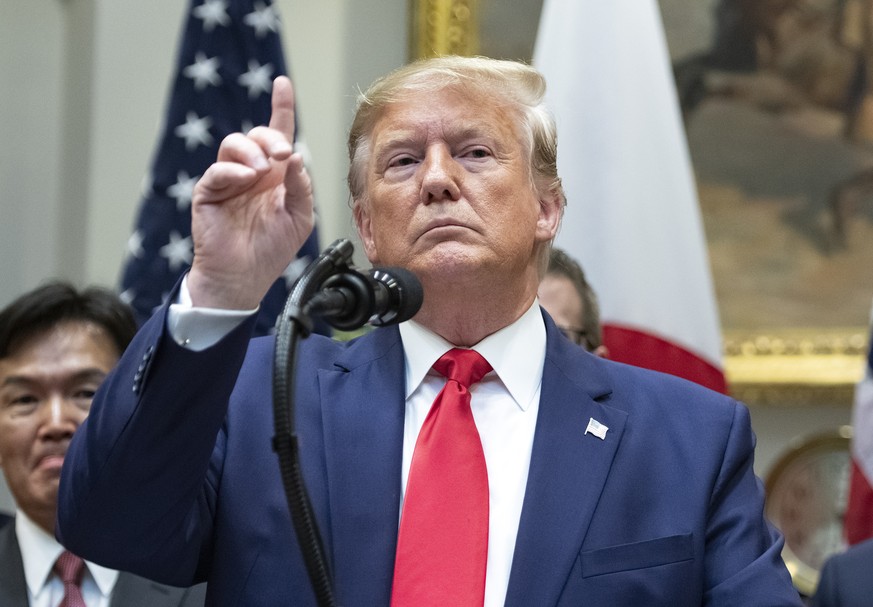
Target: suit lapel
568,470
13,586
129,590
363,407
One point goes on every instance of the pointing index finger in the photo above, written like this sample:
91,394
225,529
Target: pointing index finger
282,116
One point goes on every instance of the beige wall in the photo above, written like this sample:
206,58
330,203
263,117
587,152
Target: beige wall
32,38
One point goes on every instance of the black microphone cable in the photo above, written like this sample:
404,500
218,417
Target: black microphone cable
347,299
293,323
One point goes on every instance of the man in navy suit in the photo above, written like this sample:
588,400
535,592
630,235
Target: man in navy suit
607,484
56,345
845,578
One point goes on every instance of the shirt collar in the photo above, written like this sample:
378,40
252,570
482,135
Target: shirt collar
39,551
422,348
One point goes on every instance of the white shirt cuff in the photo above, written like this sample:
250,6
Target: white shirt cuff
196,328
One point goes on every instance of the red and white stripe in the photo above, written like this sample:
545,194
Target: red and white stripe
858,522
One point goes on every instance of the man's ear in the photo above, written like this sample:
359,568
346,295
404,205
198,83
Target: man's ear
365,231
601,351
550,213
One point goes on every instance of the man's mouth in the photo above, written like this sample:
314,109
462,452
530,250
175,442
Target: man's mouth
443,224
52,461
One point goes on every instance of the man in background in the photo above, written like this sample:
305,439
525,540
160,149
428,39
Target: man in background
571,302
56,346
845,578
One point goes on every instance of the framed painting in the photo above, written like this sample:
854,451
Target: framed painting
777,97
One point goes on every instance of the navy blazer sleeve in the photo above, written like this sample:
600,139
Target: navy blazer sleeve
137,443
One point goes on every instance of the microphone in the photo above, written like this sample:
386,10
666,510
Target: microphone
379,296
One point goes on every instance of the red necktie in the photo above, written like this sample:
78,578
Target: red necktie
70,568
442,546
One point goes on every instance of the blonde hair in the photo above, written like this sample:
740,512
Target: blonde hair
518,85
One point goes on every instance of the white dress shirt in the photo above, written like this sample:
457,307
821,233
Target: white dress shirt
505,405
39,551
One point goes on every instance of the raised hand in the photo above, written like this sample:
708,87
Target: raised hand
251,211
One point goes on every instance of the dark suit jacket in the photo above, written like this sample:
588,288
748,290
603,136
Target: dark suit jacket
175,466
847,579
129,591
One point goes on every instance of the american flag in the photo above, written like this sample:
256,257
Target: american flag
229,55
858,522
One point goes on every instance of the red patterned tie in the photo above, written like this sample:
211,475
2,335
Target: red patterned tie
442,546
70,568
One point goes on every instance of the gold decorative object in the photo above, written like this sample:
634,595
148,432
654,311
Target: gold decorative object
795,367
807,490
444,27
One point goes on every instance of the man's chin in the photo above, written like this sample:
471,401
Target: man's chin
451,250
47,484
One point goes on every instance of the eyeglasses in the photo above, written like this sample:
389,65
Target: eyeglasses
578,336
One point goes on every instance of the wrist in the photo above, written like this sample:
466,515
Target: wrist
221,294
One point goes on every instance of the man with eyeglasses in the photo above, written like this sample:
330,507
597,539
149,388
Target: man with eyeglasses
569,299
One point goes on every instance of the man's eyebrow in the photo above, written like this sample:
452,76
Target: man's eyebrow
81,375
473,132
15,380
402,137
396,138
90,373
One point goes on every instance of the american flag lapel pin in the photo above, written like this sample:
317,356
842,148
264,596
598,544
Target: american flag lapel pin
596,428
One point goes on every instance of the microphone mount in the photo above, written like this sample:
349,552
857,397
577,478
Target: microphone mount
347,299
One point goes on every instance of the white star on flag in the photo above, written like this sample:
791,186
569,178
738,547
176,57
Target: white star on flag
134,244
127,296
178,251
264,19
257,79
212,12
204,71
145,187
195,131
183,189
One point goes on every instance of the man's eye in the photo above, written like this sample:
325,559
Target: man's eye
23,399
85,393
402,161
21,404
478,153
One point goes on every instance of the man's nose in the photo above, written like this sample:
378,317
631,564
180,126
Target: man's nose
440,176
59,417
